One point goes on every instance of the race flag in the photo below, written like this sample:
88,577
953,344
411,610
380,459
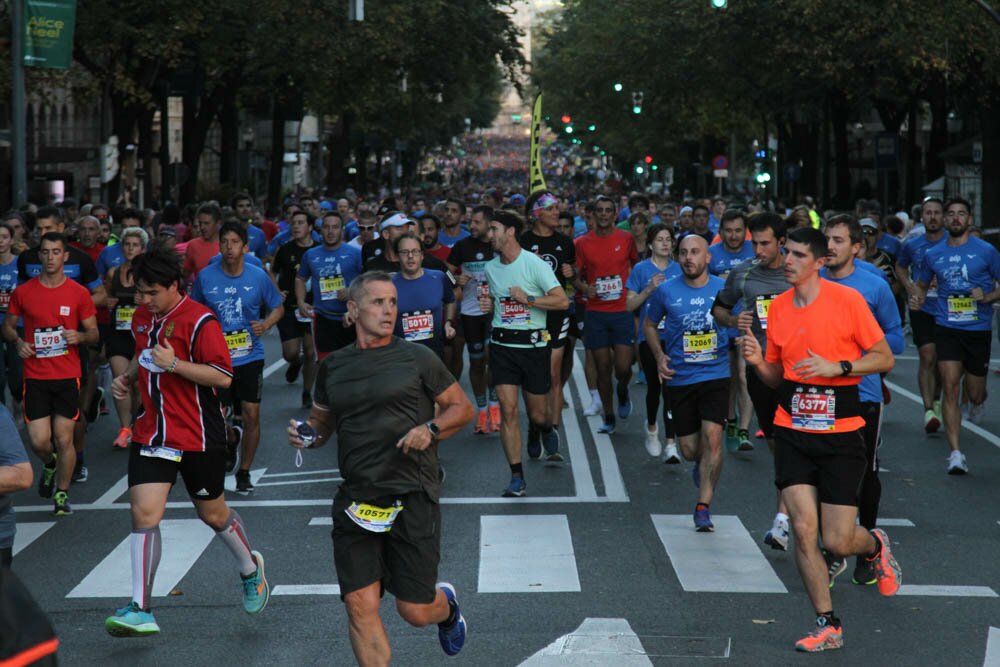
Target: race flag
536,179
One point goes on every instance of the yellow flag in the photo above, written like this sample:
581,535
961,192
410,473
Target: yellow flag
536,179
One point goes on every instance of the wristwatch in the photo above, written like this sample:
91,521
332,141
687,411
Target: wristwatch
531,299
846,367
435,431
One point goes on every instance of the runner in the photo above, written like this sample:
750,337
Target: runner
238,294
201,250
331,267
967,270
522,288
755,284
821,339
642,283
15,475
182,362
122,302
430,232
693,366
10,363
452,233
386,513
54,309
367,226
604,258
844,239
425,301
566,228
294,328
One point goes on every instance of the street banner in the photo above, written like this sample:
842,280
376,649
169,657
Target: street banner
48,33
536,179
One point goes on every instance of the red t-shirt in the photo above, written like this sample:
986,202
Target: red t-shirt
176,412
93,252
605,262
47,312
269,228
837,325
442,253
198,253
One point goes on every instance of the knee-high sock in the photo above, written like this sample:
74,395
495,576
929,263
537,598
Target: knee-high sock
146,546
234,536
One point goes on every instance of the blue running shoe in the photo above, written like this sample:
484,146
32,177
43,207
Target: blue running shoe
550,441
534,442
606,427
131,621
696,474
516,489
255,589
452,637
703,520
624,404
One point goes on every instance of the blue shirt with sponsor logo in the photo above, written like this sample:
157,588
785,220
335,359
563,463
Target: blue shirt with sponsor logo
911,256
237,301
958,269
8,281
420,307
330,271
637,280
111,257
256,240
724,260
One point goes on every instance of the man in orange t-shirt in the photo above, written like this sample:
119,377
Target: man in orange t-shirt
821,340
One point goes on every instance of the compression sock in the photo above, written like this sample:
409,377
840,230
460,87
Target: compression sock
480,401
517,469
234,537
493,395
146,549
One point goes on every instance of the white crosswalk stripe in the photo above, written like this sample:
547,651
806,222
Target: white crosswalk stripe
28,533
526,554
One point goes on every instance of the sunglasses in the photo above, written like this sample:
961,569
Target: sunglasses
366,227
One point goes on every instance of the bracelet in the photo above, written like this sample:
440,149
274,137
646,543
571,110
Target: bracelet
173,365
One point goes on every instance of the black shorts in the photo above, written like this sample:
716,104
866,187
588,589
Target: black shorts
526,367
579,317
834,463
248,383
972,348
204,473
46,398
289,328
765,402
557,323
922,326
104,332
330,335
872,432
692,404
120,344
477,333
405,559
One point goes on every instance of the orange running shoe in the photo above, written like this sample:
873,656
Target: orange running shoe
887,570
482,422
823,638
124,435
495,418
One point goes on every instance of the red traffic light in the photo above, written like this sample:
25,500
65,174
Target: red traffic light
567,118
648,159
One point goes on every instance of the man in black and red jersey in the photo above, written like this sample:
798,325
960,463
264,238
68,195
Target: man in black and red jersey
54,308
181,362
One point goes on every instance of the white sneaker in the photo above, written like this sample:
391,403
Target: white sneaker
653,445
957,464
594,409
976,412
777,537
672,457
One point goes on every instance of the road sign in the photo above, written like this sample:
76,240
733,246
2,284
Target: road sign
720,173
720,162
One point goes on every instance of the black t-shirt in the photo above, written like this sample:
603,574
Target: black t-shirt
78,266
376,396
286,266
372,250
556,250
470,256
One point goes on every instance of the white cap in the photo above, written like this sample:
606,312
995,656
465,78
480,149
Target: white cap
396,220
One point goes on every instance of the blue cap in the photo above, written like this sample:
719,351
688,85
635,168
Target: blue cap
325,206
516,200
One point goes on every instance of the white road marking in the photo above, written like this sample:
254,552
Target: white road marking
270,370
183,542
306,589
288,482
321,521
598,641
896,523
981,432
583,480
948,591
301,473
726,561
114,493
526,554
614,485
992,658
29,532
230,483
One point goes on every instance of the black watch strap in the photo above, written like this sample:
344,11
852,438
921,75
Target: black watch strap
846,367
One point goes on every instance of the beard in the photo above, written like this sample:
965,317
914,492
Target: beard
955,232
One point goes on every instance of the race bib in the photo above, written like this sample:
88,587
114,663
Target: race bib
123,317
763,308
700,346
512,312
329,286
146,361
373,518
166,453
50,342
4,299
418,325
962,308
609,288
239,342
814,411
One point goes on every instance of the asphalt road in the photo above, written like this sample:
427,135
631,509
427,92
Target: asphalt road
598,565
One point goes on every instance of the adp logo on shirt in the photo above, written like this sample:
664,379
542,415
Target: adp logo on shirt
64,310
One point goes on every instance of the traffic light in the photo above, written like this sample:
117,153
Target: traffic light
763,177
569,129
718,4
592,127
618,87
639,169
760,154
648,159
637,103
567,118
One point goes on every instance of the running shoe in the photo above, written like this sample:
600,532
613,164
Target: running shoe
534,442
887,570
243,484
976,412
594,409
703,520
292,372
732,442
123,437
255,588
672,457
957,464
607,428
131,621
452,637
823,638
516,489
550,441
696,474
495,418
80,472
931,422
61,506
834,566
759,434
743,435
777,537
46,481
653,445
307,400
482,422
624,403
864,572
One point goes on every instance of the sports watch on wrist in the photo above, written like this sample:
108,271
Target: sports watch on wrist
846,367
435,431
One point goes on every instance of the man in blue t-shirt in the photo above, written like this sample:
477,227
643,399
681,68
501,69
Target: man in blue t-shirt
967,270
16,476
454,212
425,302
238,293
330,268
693,362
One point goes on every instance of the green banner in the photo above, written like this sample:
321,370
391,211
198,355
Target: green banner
48,32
